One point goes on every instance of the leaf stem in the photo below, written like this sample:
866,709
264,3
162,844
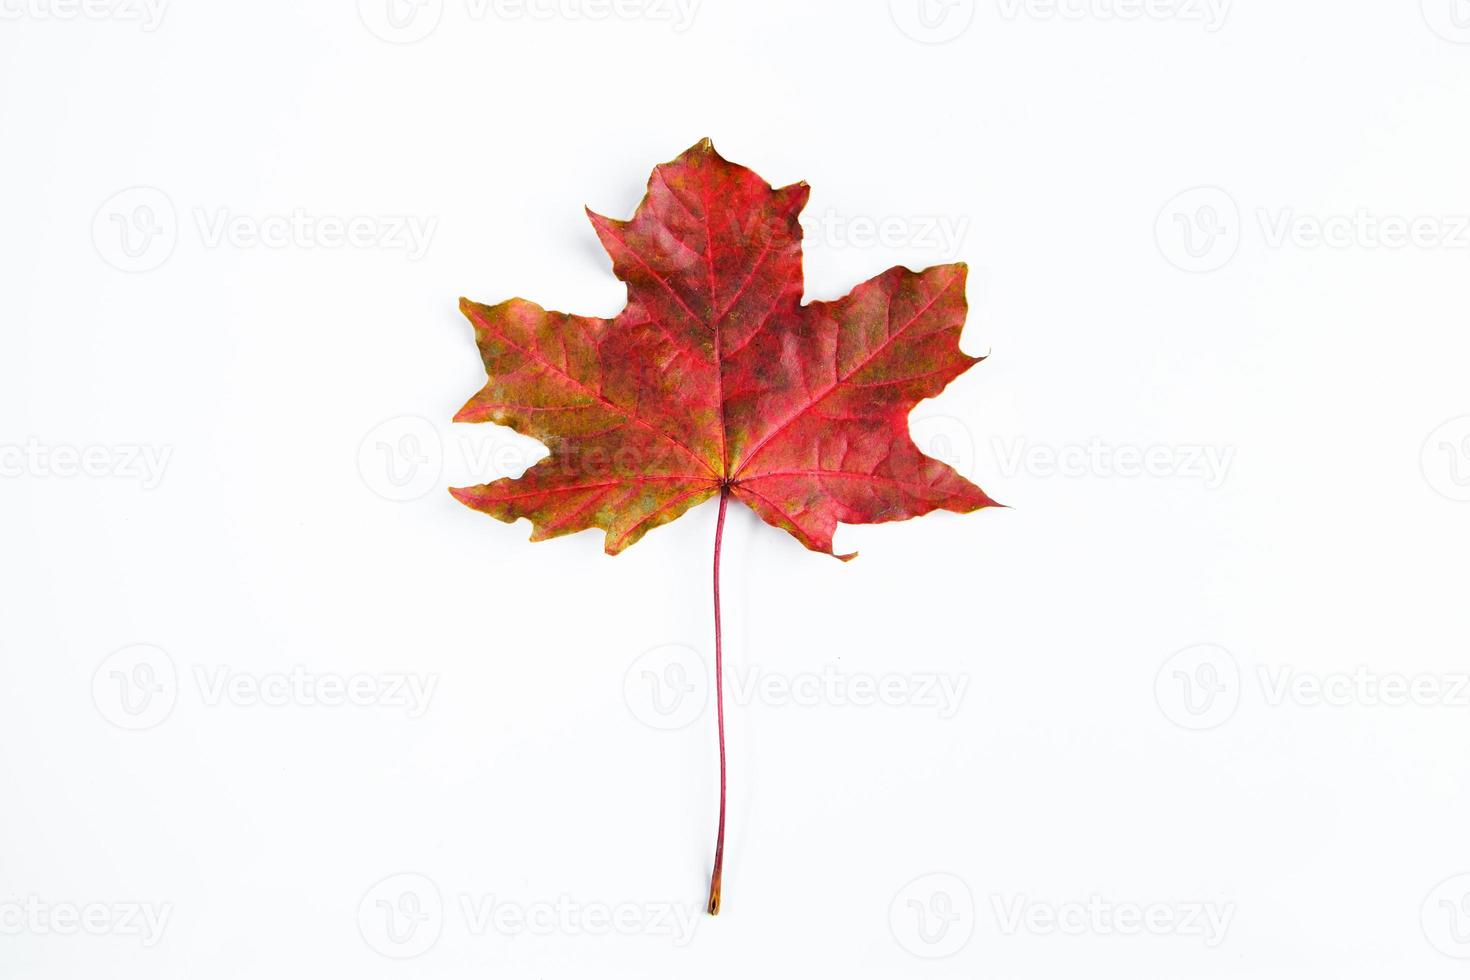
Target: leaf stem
714,881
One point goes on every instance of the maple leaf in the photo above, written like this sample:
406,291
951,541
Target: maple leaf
715,376
715,379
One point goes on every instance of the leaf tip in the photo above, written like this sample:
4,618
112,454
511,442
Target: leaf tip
705,149
794,196
984,502
601,222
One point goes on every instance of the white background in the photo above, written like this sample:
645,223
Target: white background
1136,188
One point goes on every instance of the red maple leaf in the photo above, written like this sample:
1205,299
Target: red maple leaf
716,379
